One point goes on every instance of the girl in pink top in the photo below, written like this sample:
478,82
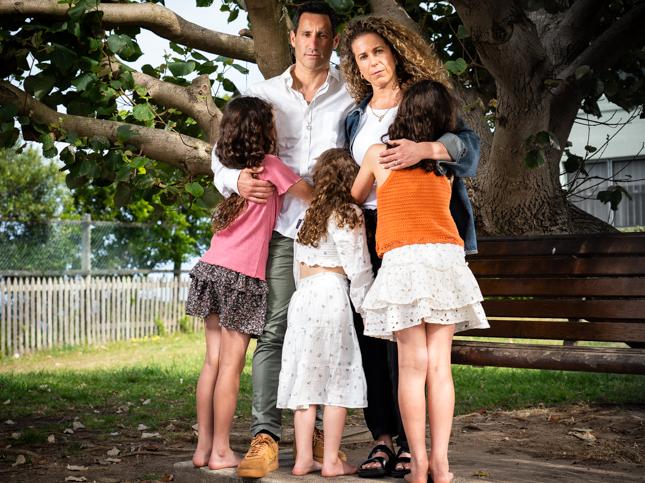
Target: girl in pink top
228,286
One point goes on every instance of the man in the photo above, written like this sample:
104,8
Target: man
310,103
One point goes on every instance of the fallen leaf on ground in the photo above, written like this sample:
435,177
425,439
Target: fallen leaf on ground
195,427
142,427
76,425
150,435
20,460
116,433
7,402
146,402
76,468
10,422
113,460
15,435
75,478
113,452
68,431
51,438
170,427
481,474
583,434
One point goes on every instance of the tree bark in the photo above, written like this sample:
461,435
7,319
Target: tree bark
154,17
269,27
184,152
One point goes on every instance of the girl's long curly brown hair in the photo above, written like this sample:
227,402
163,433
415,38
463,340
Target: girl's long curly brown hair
427,111
333,177
415,58
246,135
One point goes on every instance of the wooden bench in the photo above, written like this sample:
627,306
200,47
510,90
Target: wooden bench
563,288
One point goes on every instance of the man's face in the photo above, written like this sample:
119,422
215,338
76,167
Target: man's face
314,41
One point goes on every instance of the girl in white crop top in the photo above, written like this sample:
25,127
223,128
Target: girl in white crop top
321,359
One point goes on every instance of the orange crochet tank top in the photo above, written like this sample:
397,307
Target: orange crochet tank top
414,208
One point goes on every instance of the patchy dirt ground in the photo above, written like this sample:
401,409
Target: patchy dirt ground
570,443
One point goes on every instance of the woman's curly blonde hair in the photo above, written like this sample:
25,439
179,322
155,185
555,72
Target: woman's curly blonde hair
333,177
415,58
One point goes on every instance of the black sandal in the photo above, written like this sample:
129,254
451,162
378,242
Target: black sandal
386,464
400,473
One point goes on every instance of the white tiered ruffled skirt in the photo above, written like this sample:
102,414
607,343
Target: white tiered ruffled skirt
423,283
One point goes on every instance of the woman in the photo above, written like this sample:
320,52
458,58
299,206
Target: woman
380,59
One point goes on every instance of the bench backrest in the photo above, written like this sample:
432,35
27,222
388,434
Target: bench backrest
564,287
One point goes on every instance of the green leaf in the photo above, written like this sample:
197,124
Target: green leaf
40,84
177,48
84,81
124,133
534,158
204,3
462,33
198,56
195,189
124,46
8,112
149,70
122,195
573,163
457,67
143,112
240,68
613,195
99,143
341,5
228,85
139,162
49,148
63,58
180,69
591,149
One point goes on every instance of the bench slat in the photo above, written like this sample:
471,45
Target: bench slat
629,309
537,329
572,287
615,244
533,356
548,266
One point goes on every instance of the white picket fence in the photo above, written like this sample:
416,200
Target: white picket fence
39,313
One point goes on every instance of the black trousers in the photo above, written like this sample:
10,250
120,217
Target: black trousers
380,364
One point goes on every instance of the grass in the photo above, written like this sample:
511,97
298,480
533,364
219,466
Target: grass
152,382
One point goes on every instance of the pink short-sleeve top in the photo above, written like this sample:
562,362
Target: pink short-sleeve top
243,245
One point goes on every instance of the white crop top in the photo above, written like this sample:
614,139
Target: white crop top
342,247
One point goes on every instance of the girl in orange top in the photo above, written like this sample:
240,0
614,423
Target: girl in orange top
424,291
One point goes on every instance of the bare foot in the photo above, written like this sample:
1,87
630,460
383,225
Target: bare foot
301,468
226,459
419,471
438,471
200,457
445,477
337,468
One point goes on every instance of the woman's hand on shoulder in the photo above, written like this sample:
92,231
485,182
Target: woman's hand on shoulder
405,153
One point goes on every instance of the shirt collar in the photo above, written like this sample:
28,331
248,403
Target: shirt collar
332,73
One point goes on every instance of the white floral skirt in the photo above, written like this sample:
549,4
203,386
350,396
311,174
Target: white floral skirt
423,283
321,359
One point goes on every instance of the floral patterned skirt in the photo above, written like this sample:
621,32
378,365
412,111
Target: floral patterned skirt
239,300
321,359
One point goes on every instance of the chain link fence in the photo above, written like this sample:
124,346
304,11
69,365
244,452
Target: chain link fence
77,247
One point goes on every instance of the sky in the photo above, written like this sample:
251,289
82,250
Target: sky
153,46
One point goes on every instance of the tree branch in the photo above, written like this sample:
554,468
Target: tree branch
604,50
504,36
195,101
264,17
184,152
390,8
154,17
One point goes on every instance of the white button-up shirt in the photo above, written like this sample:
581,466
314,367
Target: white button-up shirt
304,130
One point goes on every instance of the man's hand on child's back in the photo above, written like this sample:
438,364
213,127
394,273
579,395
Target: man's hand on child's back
253,189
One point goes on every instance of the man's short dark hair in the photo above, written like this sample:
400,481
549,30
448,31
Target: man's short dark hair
317,8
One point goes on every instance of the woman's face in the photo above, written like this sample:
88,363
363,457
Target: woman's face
375,60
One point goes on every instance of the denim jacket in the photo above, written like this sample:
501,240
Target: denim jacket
463,147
